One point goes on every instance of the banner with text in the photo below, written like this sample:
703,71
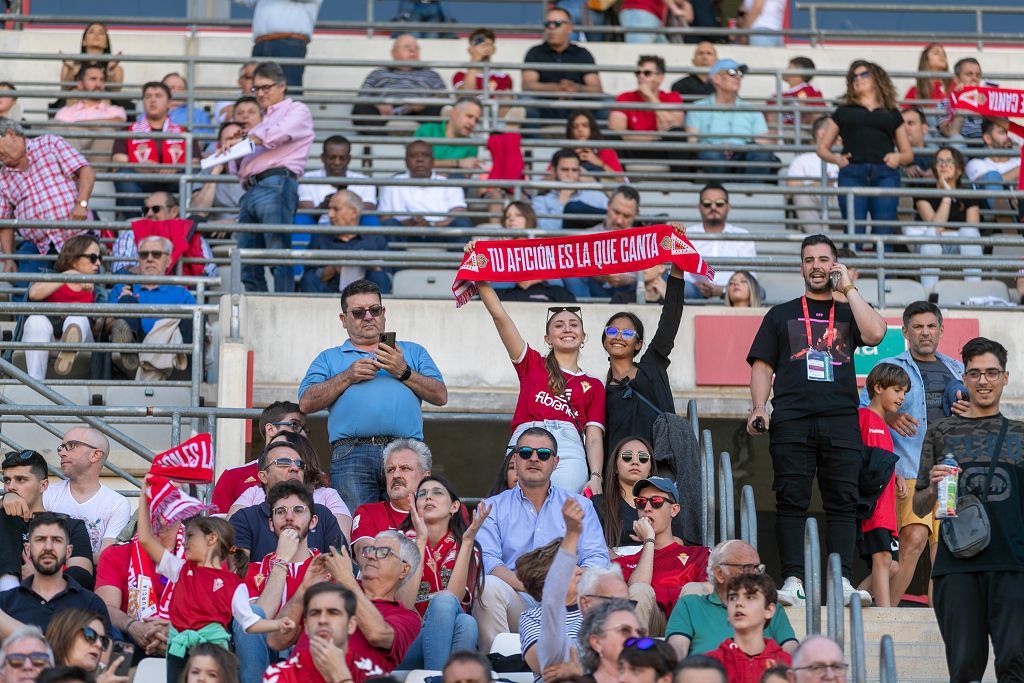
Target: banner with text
190,461
601,253
1001,103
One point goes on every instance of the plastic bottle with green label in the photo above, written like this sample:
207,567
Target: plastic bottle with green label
946,505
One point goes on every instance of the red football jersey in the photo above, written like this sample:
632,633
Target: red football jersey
298,669
644,119
582,404
202,596
874,432
256,578
743,668
674,566
372,518
232,483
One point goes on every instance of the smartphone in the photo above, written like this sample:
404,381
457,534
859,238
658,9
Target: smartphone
835,277
126,650
388,338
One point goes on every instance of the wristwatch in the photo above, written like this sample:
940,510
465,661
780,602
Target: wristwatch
846,290
406,375
84,204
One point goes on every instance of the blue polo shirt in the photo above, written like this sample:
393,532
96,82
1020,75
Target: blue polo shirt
382,406
161,294
28,607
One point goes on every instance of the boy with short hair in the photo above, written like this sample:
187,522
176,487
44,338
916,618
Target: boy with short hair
798,87
751,601
887,384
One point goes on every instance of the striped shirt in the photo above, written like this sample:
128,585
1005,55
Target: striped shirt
529,627
407,79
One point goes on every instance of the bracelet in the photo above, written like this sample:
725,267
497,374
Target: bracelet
279,563
846,290
128,626
758,406
598,475
648,540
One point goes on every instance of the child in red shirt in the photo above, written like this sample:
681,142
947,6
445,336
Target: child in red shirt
886,384
751,603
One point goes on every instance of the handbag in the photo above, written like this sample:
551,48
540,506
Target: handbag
970,531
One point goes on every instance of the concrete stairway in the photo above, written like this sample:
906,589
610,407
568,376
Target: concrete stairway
920,653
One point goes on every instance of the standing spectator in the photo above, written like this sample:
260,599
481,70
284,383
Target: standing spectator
930,91
269,174
955,124
95,41
698,85
224,110
978,597
336,158
806,170
917,127
551,205
283,28
728,127
557,48
818,657
405,463
353,380
79,638
42,179
808,344
742,290
798,87
91,78
180,111
24,655
714,212
650,74
343,209
1001,169
581,125
652,14
764,15
870,125
752,602
415,81
328,614
462,121
411,205
481,49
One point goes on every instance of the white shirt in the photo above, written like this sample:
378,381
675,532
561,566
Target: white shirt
325,495
105,514
772,14
316,194
422,200
710,250
980,166
808,165
282,16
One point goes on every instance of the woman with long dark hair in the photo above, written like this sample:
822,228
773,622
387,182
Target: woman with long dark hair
444,586
79,638
506,477
582,126
95,41
933,58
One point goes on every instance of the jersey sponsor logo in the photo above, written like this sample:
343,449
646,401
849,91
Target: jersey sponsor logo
559,403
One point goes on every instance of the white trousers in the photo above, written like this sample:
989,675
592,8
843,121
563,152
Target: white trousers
38,328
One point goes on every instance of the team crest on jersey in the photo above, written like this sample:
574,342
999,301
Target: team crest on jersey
586,386
250,480
683,558
217,584
258,579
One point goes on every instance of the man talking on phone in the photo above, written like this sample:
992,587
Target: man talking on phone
808,344
373,387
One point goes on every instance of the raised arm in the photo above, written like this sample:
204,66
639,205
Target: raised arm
144,528
553,645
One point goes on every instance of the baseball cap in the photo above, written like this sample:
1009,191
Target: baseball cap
663,484
725,65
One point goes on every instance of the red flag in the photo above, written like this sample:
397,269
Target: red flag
190,461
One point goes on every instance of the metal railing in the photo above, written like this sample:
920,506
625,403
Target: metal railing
708,492
858,668
748,516
726,498
887,660
691,415
812,576
834,600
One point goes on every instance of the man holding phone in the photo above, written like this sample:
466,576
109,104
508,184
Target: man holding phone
356,380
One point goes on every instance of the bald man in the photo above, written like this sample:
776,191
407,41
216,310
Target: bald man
818,658
462,121
398,81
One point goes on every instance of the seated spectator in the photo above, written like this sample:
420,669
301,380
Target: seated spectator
224,198
48,591
95,41
817,657
551,205
247,112
557,48
519,215
276,418
208,663
343,209
648,14
581,125
714,212
805,170
482,46
798,88
180,112
699,623
463,118
65,674
285,460
662,562
506,477
699,669
154,259
26,475
698,85
422,201
186,242
335,157
24,654
752,601
467,667
647,660
650,74
443,587
91,78
224,110
82,254
405,462
394,81
79,638
622,210
766,15
743,290
605,630
917,131
729,127
930,91
957,124
1001,169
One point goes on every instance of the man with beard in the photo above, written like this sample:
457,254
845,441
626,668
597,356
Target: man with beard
47,591
406,462
713,205
1000,168
808,344
328,618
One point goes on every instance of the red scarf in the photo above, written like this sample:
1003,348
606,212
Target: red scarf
190,461
168,504
600,253
146,598
1001,103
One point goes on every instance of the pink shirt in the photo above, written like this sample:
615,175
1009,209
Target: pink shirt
287,133
82,111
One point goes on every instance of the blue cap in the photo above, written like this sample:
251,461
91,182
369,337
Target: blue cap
663,484
725,65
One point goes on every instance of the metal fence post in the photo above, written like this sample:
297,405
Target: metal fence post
748,516
708,494
726,501
857,667
834,598
691,413
812,576
887,660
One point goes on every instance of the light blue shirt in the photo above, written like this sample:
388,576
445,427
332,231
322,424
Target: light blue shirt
548,203
726,127
382,406
283,16
514,528
201,121
908,448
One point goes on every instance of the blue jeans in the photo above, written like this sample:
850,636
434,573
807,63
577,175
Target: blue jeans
880,208
29,247
285,47
446,629
253,653
641,18
735,164
356,474
271,200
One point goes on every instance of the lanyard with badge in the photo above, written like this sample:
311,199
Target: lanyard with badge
819,363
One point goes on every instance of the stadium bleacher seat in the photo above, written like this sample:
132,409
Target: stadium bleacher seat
414,282
506,644
779,287
898,293
958,292
152,670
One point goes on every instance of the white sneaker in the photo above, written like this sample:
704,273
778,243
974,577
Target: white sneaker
849,592
792,593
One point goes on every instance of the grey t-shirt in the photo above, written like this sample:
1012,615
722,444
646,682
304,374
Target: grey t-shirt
936,376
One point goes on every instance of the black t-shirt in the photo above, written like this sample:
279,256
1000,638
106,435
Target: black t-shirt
971,442
936,376
629,515
539,291
957,209
574,54
867,135
692,88
781,342
14,535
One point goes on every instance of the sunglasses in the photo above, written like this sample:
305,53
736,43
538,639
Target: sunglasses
627,631
554,23
646,73
155,208
294,425
719,203
14,458
735,73
555,310
640,643
257,89
40,660
286,462
360,313
435,492
525,452
93,258
378,552
72,445
91,636
860,75
656,502
642,457
282,510
156,254
616,331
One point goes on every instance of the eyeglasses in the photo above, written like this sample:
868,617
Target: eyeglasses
945,162
555,23
607,597
155,208
156,255
91,635
647,73
375,311
656,502
257,89
282,510
525,452
294,425
818,670
555,310
627,631
39,660
435,492
286,462
379,552
860,75
745,568
478,40
642,457
616,331
71,445
992,374
640,643
718,203
14,458
93,258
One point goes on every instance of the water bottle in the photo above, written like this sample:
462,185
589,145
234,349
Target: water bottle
946,506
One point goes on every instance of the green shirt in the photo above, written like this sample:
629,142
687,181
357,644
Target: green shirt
704,620
436,130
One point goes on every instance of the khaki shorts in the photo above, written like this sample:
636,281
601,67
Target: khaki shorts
905,514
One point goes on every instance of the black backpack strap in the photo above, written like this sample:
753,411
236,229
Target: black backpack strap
995,458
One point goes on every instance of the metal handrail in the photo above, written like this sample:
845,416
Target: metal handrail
707,474
748,516
858,668
812,576
726,495
691,414
887,660
834,600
